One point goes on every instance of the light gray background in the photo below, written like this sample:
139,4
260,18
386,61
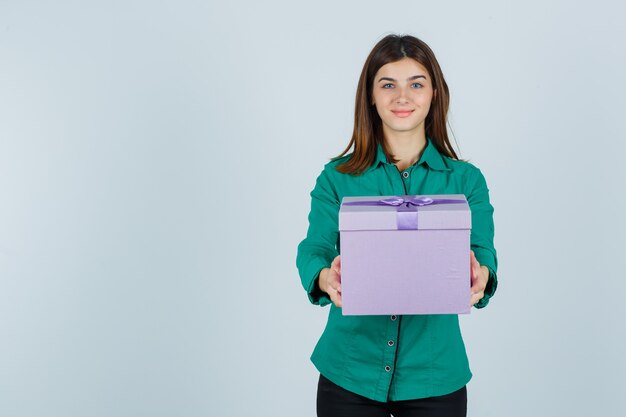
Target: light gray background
156,160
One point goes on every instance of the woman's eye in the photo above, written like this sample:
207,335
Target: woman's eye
416,85
387,85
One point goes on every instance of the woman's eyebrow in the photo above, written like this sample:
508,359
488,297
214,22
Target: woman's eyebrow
415,77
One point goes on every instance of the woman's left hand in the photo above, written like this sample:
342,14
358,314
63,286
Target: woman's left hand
479,276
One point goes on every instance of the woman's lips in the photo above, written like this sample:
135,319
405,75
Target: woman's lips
402,113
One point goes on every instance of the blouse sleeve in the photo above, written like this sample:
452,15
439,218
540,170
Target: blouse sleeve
483,232
320,246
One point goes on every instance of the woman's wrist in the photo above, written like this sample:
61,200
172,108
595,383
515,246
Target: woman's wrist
321,281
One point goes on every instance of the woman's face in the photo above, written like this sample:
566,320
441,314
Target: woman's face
402,92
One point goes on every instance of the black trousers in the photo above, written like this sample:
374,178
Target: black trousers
334,401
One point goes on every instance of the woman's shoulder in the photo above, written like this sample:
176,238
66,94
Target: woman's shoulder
331,166
465,173
461,166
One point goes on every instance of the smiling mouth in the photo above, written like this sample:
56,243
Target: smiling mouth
402,113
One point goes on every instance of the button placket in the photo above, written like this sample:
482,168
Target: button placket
391,347
398,185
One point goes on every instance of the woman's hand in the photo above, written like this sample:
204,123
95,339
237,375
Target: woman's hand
330,281
479,277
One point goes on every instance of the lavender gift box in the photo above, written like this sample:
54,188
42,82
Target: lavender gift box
405,254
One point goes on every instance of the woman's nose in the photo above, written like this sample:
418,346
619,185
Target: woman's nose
402,95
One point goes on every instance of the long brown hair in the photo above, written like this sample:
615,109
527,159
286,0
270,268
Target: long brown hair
368,133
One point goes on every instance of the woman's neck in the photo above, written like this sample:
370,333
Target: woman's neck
406,149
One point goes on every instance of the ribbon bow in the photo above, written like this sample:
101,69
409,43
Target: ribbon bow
417,201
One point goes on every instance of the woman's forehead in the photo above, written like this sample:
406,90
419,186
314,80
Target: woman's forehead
404,68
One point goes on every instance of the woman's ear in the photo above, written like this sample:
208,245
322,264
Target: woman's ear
434,94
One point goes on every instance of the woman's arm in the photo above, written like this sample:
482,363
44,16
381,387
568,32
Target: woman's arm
318,250
481,240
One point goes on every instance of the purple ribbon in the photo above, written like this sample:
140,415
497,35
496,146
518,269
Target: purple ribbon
406,212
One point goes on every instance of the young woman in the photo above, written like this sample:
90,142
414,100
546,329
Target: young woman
412,365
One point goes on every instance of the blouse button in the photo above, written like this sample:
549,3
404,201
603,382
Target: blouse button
387,368
405,175
390,343
393,318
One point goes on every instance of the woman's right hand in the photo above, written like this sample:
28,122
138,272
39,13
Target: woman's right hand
330,281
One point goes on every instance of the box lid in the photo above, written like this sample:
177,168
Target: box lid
409,212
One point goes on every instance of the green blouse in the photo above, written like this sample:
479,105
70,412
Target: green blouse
393,358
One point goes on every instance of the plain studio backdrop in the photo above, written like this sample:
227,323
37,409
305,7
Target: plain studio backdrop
156,160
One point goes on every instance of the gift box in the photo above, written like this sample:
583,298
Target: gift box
405,255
